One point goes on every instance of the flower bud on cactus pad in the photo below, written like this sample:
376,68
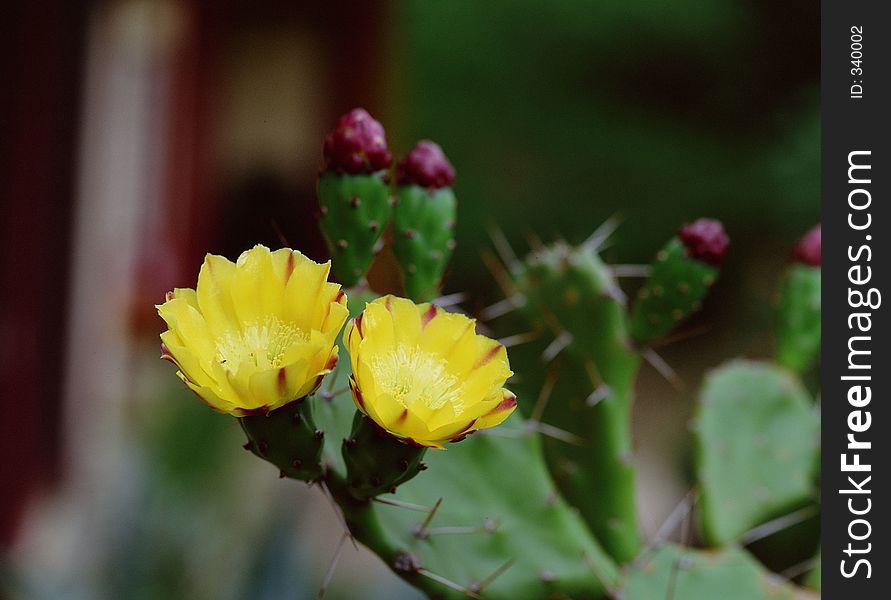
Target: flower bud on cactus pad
809,249
798,314
424,219
354,195
681,276
705,240
357,144
427,166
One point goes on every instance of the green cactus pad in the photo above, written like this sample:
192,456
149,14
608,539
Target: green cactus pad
423,237
672,293
376,462
673,572
287,437
570,292
757,436
355,212
798,318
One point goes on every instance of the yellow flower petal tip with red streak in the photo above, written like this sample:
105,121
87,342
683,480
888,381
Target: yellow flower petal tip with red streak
424,374
255,334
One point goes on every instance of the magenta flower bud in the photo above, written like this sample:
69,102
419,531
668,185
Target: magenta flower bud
427,166
705,240
357,144
809,249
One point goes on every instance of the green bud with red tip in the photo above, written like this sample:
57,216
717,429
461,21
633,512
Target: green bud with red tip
424,219
354,194
799,311
681,276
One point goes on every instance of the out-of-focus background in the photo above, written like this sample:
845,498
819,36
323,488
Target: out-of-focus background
139,134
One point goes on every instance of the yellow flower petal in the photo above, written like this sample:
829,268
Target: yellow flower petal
425,375
255,334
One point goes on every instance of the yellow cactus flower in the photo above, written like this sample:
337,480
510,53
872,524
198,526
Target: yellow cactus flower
424,374
255,334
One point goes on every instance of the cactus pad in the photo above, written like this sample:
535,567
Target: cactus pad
798,318
423,237
672,293
757,448
672,572
355,212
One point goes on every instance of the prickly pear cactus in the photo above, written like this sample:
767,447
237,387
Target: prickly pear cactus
682,573
757,437
424,219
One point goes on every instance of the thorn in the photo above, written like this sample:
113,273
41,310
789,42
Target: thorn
502,278
331,395
502,307
403,465
401,504
450,300
296,463
422,466
248,445
771,527
516,340
505,252
556,346
672,578
481,585
664,369
631,270
278,233
677,515
281,474
350,443
544,395
337,512
447,582
319,434
534,242
798,569
604,581
556,433
263,448
330,572
489,526
600,393
421,530
601,234
678,336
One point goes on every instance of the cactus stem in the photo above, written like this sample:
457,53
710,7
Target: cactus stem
631,270
502,307
663,368
596,240
421,530
504,250
447,582
329,574
401,504
517,339
600,393
556,346
479,586
776,525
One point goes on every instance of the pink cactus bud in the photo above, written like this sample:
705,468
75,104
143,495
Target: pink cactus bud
427,166
357,144
705,240
809,249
